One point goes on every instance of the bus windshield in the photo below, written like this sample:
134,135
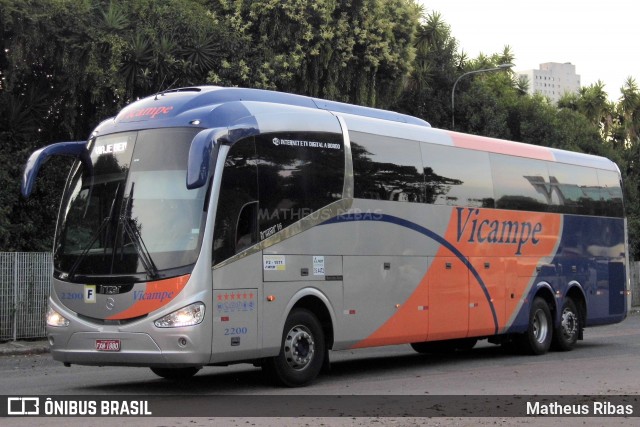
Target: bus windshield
131,213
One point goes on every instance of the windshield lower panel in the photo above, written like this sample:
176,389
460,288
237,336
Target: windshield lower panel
131,215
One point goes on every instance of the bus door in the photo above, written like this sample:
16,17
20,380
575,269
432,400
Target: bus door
237,271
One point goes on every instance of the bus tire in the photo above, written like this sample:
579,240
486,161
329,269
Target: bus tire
302,351
175,373
537,339
566,334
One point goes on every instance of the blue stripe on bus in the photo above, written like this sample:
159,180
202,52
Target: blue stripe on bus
432,235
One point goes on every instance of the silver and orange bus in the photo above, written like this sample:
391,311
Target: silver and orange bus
210,226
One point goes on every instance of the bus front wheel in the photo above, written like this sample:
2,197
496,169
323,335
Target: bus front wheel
302,351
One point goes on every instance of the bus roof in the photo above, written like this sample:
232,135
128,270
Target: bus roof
192,100
195,105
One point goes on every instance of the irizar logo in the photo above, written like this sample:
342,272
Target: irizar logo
494,231
276,141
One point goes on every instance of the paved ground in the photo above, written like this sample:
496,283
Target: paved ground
12,348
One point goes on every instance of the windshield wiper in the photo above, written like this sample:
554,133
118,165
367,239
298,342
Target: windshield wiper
104,222
130,227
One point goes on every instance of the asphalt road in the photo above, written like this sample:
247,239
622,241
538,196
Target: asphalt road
607,362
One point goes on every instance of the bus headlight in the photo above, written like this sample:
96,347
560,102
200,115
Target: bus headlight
56,319
186,316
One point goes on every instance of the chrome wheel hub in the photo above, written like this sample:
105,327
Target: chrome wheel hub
299,347
569,323
540,326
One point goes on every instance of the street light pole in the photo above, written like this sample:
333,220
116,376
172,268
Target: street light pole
484,70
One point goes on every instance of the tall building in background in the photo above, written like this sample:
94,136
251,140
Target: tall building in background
552,80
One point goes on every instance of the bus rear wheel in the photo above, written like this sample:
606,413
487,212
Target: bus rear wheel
175,373
302,351
537,339
566,334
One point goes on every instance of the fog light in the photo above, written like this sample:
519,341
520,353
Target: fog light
186,316
56,319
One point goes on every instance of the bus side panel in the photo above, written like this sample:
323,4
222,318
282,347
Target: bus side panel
235,324
525,240
603,254
284,297
448,299
236,307
289,278
591,255
390,291
496,278
617,303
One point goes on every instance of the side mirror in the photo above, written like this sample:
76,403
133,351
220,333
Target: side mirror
39,157
201,156
204,149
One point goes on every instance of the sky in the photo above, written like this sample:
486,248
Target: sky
599,38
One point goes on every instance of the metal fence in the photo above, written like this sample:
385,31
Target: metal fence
25,280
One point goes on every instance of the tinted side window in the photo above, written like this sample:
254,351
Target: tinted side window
386,168
611,193
574,189
235,227
299,173
520,183
457,177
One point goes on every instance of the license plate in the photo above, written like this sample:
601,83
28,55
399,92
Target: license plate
108,345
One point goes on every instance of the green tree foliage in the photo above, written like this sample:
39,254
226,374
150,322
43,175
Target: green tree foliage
428,90
624,138
354,51
68,64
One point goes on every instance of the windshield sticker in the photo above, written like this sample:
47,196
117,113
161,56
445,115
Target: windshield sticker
274,263
90,294
318,265
300,143
119,147
235,302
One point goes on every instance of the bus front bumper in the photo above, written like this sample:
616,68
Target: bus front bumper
127,349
